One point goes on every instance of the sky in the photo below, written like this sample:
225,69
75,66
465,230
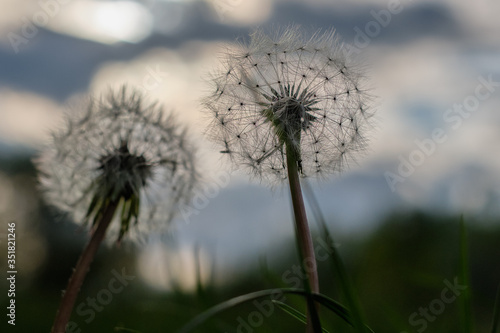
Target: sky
433,66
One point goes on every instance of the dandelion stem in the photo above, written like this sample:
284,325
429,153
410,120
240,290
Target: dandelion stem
81,269
302,232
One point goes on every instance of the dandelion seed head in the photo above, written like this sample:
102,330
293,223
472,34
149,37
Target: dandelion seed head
119,149
289,89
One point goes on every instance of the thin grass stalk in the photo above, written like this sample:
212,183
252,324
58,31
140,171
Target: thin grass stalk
345,283
465,304
496,312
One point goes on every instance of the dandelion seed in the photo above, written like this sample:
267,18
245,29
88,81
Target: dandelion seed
290,89
120,166
121,150
291,106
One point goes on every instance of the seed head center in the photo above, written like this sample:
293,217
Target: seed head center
123,172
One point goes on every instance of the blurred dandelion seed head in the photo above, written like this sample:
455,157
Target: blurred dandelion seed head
291,91
120,149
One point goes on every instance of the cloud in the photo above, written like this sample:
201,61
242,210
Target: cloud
104,21
241,12
26,118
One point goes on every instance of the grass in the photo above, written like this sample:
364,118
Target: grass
394,271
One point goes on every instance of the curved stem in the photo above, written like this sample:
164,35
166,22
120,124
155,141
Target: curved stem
302,232
82,267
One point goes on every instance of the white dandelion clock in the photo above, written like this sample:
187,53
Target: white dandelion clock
120,150
289,92
286,106
121,167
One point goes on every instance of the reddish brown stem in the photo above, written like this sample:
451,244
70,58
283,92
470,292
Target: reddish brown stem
81,269
303,234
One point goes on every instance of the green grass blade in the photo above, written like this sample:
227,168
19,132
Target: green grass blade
313,311
336,308
330,304
465,300
294,313
199,280
338,265
204,316
496,313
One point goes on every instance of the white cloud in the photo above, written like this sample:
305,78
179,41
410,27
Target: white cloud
104,21
26,117
101,21
241,12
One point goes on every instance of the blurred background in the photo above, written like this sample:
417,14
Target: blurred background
433,66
